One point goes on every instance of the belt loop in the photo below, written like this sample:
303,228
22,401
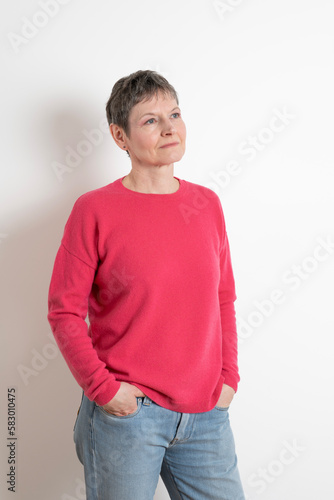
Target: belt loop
147,401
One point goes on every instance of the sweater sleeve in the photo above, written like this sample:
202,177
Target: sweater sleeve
71,283
227,297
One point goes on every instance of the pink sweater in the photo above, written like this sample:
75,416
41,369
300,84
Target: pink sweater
154,273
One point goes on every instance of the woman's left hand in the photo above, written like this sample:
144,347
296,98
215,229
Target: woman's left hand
226,396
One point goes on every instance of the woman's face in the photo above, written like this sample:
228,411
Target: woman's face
154,124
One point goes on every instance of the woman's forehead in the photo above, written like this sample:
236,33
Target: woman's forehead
154,103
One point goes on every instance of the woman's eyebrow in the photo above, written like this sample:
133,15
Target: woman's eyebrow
156,112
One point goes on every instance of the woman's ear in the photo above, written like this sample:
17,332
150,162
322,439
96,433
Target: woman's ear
119,135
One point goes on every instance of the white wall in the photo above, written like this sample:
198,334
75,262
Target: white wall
235,64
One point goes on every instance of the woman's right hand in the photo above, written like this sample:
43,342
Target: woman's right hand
124,402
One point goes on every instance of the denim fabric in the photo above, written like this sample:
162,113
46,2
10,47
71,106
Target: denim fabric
123,456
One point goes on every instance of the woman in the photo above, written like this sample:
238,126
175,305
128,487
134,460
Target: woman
147,257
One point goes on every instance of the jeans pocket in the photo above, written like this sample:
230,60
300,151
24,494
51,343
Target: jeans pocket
123,417
222,408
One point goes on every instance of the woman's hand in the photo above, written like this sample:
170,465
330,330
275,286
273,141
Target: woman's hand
124,402
226,396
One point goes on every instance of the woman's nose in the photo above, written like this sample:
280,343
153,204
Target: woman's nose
169,128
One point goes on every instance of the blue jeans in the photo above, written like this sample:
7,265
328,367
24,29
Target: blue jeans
124,456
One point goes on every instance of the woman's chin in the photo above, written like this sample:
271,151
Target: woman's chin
172,157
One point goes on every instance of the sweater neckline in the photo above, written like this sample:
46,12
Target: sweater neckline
153,195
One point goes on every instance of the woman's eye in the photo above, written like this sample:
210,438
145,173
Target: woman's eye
151,120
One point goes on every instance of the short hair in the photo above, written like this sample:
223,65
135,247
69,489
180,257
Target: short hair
132,89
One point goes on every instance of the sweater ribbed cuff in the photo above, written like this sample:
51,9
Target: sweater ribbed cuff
104,396
231,380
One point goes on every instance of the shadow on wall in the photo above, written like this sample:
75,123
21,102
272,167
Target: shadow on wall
47,394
